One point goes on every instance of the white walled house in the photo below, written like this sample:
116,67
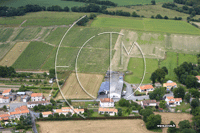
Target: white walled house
36,103
66,110
149,103
37,97
4,99
110,111
170,84
106,102
23,110
46,114
145,88
7,92
173,102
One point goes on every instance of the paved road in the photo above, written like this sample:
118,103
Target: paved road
33,121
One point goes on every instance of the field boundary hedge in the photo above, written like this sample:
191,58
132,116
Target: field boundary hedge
90,118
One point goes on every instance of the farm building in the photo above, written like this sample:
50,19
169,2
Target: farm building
106,102
104,88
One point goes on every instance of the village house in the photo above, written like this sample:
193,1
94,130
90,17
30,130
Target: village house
66,110
37,97
149,103
23,110
79,111
169,85
146,88
7,92
198,77
46,114
4,99
4,116
36,103
110,111
106,102
172,102
25,98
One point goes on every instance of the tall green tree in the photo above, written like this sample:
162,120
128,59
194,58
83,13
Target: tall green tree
153,121
179,92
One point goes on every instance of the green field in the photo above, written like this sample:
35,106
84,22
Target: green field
33,56
136,2
44,18
149,10
5,33
136,65
18,3
27,34
4,48
56,35
155,25
186,58
77,36
170,62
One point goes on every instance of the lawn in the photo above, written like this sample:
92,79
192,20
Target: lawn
18,3
33,56
186,58
145,24
170,62
183,107
43,18
136,65
5,34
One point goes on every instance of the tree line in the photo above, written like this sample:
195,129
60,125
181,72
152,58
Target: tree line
107,2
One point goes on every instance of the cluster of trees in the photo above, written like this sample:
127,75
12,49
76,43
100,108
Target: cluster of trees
130,105
42,108
7,71
107,2
22,10
150,118
187,2
186,73
159,75
157,94
195,10
158,16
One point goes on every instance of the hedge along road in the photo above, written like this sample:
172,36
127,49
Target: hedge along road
65,66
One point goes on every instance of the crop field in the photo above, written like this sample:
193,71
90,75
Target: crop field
14,53
186,58
5,34
18,3
72,90
145,24
42,18
97,126
33,56
56,35
4,48
77,36
149,10
27,34
136,65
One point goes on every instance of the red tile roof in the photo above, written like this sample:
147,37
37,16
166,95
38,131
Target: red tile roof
47,113
144,87
4,115
108,110
6,91
103,100
170,84
198,77
36,95
65,108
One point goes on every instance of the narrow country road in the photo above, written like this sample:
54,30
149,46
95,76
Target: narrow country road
33,122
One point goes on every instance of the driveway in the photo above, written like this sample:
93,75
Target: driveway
33,121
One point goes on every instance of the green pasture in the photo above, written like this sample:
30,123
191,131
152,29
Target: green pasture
136,65
186,58
33,56
145,24
5,33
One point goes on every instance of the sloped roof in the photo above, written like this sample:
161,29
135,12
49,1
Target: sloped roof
47,113
36,95
198,77
4,115
170,84
108,109
66,108
144,87
105,86
39,102
6,91
19,112
104,100
22,108
78,110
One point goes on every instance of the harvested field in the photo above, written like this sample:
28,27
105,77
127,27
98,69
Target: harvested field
72,89
5,48
91,126
13,54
